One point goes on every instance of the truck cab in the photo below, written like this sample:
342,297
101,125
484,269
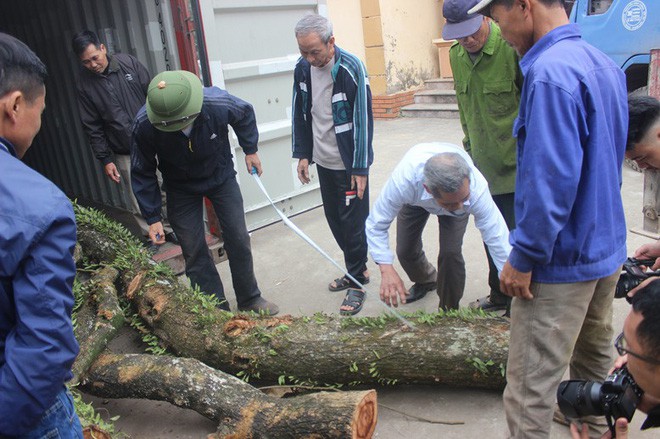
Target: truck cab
626,30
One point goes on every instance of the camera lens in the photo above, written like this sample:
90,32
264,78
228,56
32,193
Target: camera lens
577,398
626,283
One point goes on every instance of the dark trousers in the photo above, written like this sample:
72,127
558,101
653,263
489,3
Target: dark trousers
504,203
186,217
450,275
346,221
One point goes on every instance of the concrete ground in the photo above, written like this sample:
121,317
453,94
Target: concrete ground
295,276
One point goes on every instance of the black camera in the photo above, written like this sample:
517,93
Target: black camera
617,397
633,276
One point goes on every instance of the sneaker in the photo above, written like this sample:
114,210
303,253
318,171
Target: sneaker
261,305
485,304
418,291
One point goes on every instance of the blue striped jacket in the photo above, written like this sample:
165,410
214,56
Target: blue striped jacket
351,111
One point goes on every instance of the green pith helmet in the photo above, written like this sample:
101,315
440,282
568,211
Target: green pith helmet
174,100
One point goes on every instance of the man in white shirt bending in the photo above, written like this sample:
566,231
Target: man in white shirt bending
440,179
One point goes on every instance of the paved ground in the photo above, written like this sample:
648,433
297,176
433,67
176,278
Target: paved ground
295,276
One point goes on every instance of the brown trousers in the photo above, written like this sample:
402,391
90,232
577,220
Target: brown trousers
450,275
563,325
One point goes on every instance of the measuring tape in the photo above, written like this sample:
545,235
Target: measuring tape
307,239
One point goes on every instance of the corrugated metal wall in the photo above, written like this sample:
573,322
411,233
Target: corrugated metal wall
139,27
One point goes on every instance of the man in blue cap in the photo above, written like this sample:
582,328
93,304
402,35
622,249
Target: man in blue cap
487,81
183,131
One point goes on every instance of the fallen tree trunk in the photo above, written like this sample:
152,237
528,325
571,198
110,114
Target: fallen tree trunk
98,319
460,348
241,410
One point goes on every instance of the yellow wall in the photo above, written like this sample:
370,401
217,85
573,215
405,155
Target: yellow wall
392,37
408,30
346,21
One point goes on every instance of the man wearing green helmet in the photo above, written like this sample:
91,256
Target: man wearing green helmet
183,131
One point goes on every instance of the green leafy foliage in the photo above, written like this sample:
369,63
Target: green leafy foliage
89,416
153,343
480,365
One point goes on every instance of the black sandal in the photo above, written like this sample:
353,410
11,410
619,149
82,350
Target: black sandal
353,298
341,283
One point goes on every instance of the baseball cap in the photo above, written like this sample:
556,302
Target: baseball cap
174,100
479,6
460,23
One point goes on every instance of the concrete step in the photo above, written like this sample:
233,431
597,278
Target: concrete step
439,84
435,96
441,111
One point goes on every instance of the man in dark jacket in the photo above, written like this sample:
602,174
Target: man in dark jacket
333,126
111,90
183,131
37,237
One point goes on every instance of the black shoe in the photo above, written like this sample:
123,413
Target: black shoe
261,306
171,237
418,291
486,304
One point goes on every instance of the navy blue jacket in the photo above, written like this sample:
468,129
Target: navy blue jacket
37,345
190,165
351,112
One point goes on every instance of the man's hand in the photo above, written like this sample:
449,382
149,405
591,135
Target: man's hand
112,172
361,182
303,171
156,233
649,251
392,288
515,283
252,161
621,427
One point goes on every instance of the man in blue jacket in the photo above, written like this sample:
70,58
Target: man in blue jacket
37,237
333,126
570,236
183,131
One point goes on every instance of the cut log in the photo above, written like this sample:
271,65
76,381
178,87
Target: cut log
460,348
241,410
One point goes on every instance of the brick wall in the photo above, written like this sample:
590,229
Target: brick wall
388,106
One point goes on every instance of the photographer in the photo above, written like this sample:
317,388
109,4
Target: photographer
644,148
639,347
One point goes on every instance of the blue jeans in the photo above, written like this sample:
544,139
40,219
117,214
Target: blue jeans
186,216
59,421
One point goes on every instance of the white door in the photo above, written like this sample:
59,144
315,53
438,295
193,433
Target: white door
252,51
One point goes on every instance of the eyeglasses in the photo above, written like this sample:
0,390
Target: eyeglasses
181,119
621,346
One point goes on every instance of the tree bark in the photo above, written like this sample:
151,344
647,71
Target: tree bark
241,410
459,349
97,321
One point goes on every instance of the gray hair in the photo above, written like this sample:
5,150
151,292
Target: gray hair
314,24
445,172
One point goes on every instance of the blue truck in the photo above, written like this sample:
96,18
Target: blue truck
626,30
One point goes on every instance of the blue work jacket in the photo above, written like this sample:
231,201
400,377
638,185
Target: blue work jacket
37,345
